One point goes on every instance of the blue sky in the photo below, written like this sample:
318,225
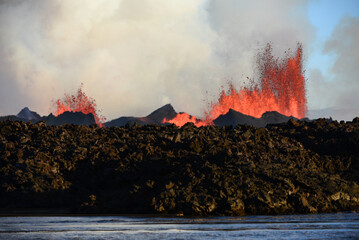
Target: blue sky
330,92
325,15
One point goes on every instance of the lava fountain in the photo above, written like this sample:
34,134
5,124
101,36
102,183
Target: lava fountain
281,88
79,103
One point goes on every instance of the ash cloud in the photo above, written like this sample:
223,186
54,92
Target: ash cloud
339,94
134,56
245,26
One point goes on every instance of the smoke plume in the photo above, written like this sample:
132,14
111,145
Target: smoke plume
136,55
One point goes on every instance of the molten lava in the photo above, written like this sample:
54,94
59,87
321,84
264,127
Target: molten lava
183,118
79,103
281,88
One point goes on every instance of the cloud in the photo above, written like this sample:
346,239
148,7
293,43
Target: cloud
134,56
344,43
245,26
340,92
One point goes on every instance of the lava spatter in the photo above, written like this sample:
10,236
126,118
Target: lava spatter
281,88
79,103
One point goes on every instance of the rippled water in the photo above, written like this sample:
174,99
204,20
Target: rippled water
320,226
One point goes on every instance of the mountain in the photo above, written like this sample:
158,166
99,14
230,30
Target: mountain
234,118
156,117
24,115
77,118
29,115
275,117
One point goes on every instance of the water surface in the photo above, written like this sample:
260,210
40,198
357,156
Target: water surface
319,226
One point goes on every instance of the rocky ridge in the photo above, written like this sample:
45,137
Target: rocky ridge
156,117
76,118
232,118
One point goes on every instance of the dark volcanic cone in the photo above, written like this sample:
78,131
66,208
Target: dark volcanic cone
29,115
155,117
234,118
77,118
167,111
275,118
24,115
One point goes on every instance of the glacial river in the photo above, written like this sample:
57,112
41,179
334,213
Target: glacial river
320,226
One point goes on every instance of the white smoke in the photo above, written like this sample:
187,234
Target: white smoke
136,55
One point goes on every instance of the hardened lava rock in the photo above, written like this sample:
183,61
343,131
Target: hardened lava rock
294,167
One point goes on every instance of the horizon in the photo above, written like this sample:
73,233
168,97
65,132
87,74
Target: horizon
169,104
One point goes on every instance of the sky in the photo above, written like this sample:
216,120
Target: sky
134,56
332,89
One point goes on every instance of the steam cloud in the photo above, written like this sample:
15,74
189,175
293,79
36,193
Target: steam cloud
135,55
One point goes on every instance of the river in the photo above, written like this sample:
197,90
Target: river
317,226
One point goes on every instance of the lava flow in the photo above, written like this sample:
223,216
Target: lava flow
183,118
281,88
79,103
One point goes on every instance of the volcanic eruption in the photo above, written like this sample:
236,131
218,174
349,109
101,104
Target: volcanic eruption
79,103
281,88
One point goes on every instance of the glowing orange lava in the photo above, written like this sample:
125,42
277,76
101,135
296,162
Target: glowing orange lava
79,103
183,118
281,88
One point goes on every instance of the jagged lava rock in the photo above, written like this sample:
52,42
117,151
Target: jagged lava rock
288,168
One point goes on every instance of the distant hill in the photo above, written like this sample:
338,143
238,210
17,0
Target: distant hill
77,118
156,117
275,117
29,115
234,118
122,121
24,115
12,118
